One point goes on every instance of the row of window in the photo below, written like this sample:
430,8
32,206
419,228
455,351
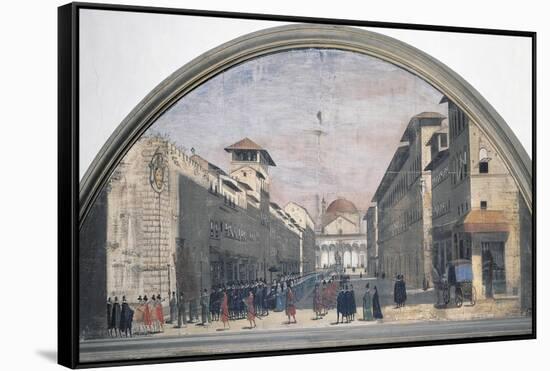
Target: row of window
440,176
249,156
228,199
228,230
441,209
403,184
402,222
457,121
459,166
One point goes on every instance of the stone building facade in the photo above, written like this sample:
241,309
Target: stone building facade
341,240
371,218
179,223
303,219
404,205
478,212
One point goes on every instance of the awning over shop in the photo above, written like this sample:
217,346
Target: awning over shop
483,221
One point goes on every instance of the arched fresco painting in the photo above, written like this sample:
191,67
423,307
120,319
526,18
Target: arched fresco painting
297,186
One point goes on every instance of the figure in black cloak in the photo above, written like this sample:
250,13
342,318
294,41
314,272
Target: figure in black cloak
109,312
205,307
265,300
126,318
173,308
347,304
115,317
397,291
376,311
340,306
213,303
353,306
182,316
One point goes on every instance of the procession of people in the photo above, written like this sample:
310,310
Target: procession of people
247,300
223,303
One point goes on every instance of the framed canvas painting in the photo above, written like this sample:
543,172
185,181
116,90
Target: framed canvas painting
228,178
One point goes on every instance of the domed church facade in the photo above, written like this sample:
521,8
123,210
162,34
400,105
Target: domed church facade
341,238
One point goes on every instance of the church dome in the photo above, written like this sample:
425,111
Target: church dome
341,205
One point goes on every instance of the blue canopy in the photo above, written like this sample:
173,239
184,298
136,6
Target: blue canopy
463,272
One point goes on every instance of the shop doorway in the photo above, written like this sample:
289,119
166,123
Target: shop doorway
494,273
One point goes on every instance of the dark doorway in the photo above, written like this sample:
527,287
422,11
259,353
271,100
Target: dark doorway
494,273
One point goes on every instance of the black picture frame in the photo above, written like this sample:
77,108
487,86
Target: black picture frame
68,179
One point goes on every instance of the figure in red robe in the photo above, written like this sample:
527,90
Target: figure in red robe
290,307
251,311
147,320
224,309
160,312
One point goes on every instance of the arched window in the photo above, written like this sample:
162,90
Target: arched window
483,161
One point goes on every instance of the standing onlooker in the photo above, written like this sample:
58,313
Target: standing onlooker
173,307
251,311
181,311
115,317
126,318
109,312
367,305
376,311
397,291
205,306
317,302
290,307
353,304
147,314
224,309
340,304
159,312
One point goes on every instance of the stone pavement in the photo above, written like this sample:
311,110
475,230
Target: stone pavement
306,319
419,307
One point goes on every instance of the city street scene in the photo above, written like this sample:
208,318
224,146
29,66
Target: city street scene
305,199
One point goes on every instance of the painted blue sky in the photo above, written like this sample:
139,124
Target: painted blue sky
275,100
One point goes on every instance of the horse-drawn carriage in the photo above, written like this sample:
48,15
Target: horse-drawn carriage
456,285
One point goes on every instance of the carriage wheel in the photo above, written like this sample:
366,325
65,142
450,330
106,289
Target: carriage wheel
473,297
459,297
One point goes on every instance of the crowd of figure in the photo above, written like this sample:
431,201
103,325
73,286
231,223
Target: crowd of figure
249,300
324,297
234,301
119,317
252,300
338,293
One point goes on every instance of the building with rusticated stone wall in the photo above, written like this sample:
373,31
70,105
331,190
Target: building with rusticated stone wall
179,223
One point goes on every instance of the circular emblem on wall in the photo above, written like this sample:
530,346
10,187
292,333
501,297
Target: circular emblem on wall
157,172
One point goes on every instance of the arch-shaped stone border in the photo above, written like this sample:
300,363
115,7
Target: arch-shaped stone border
298,36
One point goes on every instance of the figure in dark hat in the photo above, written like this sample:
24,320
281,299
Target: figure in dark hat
182,317
126,318
173,308
115,317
